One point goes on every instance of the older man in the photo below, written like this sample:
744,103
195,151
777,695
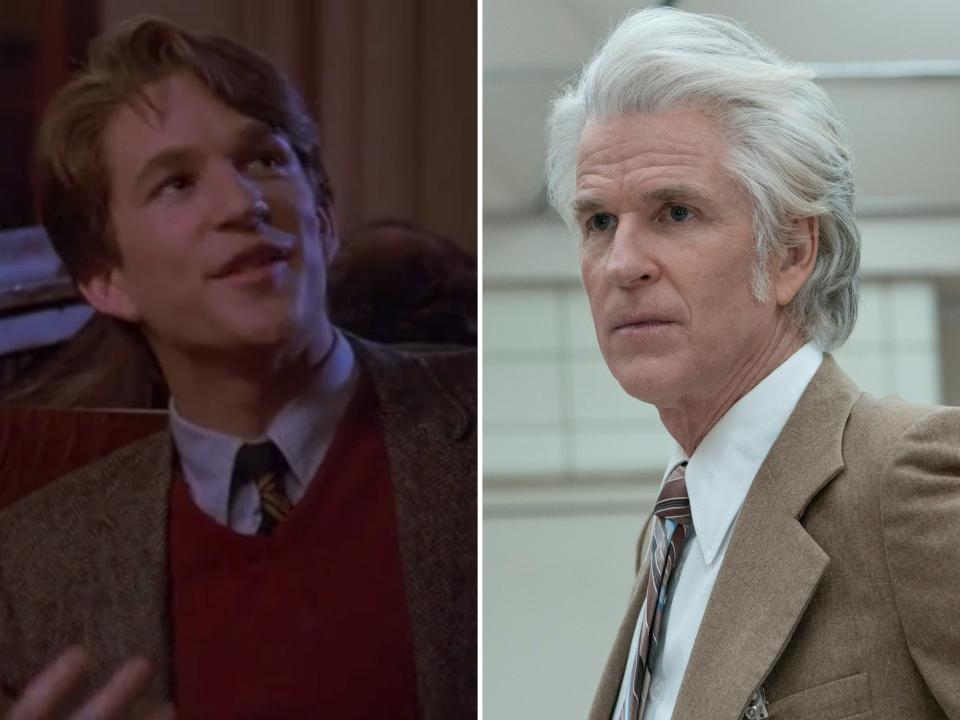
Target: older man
301,543
803,557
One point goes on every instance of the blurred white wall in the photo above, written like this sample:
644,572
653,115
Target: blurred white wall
570,462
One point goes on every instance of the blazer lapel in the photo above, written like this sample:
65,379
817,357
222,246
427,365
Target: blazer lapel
134,505
605,698
772,566
430,438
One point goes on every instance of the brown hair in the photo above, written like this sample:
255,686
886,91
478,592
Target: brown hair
73,184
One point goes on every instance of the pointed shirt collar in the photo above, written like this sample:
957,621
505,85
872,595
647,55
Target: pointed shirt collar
724,464
302,430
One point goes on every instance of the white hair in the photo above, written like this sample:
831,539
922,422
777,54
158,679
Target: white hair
787,145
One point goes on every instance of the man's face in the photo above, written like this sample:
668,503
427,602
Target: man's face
666,257
223,248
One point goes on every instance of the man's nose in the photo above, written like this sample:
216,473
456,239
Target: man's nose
238,202
631,260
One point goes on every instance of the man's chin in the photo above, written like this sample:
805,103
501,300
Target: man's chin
263,334
648,383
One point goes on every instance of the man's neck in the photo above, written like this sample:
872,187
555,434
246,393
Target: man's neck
690,422
240,395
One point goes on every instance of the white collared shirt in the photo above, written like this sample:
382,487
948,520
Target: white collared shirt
302,430
718,477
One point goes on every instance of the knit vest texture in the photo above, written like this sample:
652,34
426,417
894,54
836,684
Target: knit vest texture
310,621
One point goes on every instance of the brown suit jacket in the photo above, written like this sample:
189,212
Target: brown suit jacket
84,560
840,589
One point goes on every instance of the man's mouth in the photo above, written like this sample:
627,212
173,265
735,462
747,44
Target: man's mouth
642,326
253,261
641,320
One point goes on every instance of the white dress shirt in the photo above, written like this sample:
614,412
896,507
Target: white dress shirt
302,430
718,477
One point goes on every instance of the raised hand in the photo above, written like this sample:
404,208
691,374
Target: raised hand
47,694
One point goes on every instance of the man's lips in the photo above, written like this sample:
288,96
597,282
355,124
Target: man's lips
252,258
640,322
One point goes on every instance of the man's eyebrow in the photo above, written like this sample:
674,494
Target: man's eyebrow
676,194
167,158
667,194
584,205
253,132
248,134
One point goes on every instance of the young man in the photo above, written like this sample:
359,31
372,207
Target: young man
302,542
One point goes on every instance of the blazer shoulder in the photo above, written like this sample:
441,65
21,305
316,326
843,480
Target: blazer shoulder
73,508
885,437
877,425
453,364
416,372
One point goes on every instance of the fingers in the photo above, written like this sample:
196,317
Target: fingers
51,686
46,693
124,687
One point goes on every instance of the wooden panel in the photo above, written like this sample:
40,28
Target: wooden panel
448,101
37,40
391,140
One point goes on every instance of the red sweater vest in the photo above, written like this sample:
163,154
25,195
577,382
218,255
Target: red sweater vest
310,622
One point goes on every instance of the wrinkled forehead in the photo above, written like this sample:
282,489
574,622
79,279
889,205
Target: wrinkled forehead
642,152
683,131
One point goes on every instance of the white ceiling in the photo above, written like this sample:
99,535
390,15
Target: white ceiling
906,131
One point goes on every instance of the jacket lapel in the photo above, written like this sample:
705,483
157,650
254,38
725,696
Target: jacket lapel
134,500
605,698
431,444
772,566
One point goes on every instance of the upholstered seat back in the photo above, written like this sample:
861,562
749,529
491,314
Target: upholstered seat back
40,445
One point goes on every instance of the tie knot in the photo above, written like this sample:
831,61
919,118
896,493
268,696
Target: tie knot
673,502
264,465
255,460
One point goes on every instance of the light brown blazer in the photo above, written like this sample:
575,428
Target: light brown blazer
840,589
84,560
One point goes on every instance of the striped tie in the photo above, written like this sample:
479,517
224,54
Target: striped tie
263,465
672,523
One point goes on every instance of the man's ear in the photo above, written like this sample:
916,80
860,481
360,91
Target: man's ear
106,290
799,260
329,237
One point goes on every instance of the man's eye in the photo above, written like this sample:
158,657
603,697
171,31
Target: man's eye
601,222
267,161
173,185
679,213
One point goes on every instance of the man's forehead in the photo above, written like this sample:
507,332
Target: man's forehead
679,148
683,130
177,96
175,111
170,122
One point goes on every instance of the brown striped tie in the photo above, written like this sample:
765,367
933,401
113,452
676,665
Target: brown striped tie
263,465
672,524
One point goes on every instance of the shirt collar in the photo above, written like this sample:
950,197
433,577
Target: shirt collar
723,466
314,413
302,430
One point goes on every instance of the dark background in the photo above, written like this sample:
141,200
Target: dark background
391,82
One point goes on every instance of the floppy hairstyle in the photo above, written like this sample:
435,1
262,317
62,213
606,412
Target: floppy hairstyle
73,182
787,145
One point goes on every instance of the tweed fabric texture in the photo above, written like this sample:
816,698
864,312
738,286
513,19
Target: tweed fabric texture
838,589
84,559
